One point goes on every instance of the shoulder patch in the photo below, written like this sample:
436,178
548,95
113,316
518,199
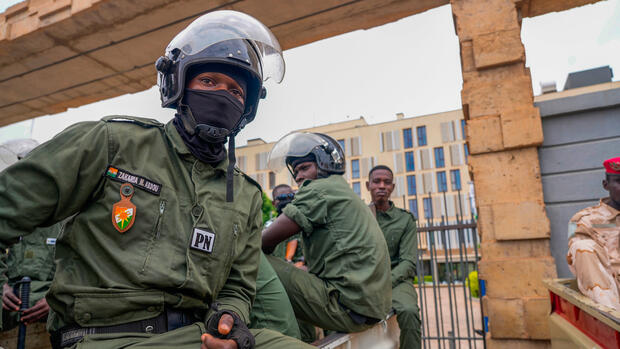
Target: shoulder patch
249,179
144,122
407,212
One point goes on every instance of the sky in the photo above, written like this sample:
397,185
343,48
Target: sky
410,66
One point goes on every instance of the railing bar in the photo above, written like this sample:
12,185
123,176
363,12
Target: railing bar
448,257
423,302
451,226
440,328
464,269
449,260
475,237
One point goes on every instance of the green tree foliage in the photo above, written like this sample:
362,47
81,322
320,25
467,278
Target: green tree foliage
268,209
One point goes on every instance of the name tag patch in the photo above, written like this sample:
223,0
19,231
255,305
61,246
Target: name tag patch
203,240
120,175
50,241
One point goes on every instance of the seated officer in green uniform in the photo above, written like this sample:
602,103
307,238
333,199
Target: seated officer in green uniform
399,229
271,308
32,256
290,249
163,248
347,285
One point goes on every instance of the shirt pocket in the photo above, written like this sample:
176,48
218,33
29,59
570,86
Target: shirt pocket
164,262
610,235
209,265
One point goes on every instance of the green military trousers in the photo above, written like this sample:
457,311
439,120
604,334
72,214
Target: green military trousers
405,303
271,308
187,337
313,300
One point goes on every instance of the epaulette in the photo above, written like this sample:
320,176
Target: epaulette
250,179
144,122
407,211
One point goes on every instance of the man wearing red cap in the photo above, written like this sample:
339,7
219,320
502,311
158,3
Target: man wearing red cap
594,243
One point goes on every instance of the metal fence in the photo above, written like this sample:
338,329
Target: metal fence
447,283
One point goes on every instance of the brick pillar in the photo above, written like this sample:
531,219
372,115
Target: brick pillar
503,132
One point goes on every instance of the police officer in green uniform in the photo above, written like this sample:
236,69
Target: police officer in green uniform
399,229
347,285
163,247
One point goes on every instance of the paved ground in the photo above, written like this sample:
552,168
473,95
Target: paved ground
450,319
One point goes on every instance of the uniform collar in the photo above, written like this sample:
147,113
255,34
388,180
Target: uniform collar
390,211
610,212
179,146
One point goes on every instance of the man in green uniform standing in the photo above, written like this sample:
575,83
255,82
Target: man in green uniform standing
163,247
399,229
347,285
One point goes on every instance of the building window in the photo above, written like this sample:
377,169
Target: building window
411,189
355,168
241,163
356,146
442,185
357,188
260,178
421,135
409,161
466,151
261,161
428,207
439,158
407,138
272,180
390,141
341,142
455,179
463,128
413,207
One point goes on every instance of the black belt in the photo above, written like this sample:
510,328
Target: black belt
168,320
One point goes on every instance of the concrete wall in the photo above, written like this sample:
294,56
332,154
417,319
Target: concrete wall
581,131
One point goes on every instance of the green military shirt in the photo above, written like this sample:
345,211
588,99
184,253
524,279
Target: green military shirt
280,250
187,247
343,244
33,256
399,229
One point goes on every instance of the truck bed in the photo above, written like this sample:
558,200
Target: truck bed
576,321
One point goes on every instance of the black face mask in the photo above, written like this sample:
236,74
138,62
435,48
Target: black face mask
283,200
216,113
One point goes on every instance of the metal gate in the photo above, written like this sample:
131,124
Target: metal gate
447,283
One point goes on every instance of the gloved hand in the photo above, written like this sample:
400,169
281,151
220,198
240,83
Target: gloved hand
239,332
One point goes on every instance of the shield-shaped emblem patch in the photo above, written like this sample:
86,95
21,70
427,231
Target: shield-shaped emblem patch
124,211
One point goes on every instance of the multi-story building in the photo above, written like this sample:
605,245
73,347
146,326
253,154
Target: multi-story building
427,154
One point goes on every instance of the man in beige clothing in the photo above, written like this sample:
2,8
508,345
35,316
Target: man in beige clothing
594,243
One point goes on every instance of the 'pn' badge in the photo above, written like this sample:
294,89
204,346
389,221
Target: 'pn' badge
124,212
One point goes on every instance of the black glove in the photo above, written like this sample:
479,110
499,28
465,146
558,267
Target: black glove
239,332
